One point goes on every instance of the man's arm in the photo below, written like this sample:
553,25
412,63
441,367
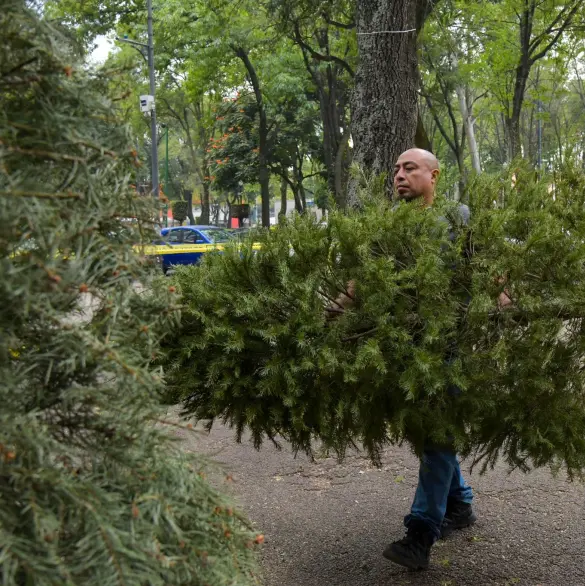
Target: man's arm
342,302
504,299
346,300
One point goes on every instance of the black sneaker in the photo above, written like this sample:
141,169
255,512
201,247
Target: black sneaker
414,550
458,516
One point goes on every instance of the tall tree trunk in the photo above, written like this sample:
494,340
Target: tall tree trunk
300,178
188,197
333,98
385,108
298,202
283,196
205,201
341,171
331,101
263,171
469,126
534,47
298,189
513,119
203,167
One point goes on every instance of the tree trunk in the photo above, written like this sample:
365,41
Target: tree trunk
263,171
333,98
532,49
203,168
188,197
385,101
341,171
298,202
468,125
298,189
283,195
513,119
205,205
329,104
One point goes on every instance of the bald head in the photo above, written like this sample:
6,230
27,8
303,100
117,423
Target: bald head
415,175
425,157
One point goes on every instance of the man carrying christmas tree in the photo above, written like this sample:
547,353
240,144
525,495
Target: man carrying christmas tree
442,502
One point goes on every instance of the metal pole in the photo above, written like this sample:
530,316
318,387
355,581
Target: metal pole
539,132
167,173
167,163
154,154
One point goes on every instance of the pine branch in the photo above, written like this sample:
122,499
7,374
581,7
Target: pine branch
360,335
42,194
40,154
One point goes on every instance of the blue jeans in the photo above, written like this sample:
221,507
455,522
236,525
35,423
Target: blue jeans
439,479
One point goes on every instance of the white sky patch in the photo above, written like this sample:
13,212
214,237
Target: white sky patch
102,49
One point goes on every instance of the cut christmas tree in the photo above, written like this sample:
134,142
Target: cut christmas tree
425,354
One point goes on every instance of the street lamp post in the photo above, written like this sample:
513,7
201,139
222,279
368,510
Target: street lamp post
166,160
166,180
539,133
149,47
153,110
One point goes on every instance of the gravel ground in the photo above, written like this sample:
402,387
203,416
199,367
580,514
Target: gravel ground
326,523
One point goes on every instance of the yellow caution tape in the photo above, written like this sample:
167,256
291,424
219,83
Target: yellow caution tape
153,250
157,250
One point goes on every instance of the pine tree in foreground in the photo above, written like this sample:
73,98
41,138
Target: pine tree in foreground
425,355
92,489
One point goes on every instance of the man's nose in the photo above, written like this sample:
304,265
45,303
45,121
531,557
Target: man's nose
399,175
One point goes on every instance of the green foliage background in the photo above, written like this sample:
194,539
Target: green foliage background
92,488
425,355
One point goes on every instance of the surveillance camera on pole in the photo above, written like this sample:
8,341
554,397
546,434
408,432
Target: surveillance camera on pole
146,104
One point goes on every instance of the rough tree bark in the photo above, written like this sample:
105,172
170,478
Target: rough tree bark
385,111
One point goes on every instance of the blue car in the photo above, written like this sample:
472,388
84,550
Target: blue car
190,236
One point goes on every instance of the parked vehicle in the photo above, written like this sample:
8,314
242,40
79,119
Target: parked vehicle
202,238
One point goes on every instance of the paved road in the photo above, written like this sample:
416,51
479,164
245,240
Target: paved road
326,523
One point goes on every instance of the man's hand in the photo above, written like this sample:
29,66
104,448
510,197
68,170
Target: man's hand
504,300
344,301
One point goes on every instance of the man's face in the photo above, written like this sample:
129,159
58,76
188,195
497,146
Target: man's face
414,176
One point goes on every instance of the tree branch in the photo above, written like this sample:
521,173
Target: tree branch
319,56
343,25
439,123
174,113
560,31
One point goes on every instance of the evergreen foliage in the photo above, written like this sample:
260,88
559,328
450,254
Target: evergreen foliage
93,490
180,209
425,355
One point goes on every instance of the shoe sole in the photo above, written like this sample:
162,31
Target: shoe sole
406,563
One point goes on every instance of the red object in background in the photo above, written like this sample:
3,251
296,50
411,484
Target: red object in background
235,223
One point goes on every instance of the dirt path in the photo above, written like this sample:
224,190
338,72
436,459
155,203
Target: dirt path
326,524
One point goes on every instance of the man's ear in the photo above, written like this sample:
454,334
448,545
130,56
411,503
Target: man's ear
435,175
